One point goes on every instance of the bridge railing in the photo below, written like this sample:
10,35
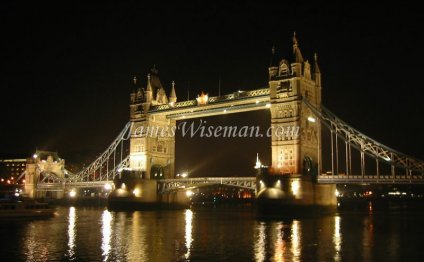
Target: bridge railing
412,167
184,183
369,179
215,99
98,164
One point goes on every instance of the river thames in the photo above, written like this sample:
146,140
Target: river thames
212,234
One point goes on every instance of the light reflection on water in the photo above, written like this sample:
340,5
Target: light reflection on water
280,245
90,234
72,217
295,240
106,233
259,244
337,239
188,231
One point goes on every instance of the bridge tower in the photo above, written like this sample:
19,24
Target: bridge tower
44,167
296,137
152,147
296,133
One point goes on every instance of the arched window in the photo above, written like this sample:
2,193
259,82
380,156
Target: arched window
284,69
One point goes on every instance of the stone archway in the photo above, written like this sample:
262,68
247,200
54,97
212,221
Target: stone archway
157,172
308,166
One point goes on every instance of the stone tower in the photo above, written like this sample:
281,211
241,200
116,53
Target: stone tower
296,132
152,145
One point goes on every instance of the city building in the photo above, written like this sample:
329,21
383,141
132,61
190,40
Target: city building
11,169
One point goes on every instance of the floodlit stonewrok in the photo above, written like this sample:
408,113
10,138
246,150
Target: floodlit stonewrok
202,129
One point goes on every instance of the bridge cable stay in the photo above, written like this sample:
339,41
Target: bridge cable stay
364,144
97,164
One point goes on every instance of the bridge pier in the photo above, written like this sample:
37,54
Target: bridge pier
175,198
139,193
289,194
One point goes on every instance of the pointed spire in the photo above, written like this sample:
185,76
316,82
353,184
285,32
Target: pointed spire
316,69
173,96
149,91
154,70
135,80
273,61
149,85
258,162
298,58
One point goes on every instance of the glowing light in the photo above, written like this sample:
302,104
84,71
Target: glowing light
337,193
225,110
73,193
106,233
337,239
311,119
23,181
35,156
123,186
16,194
278,183
202,99
258,162
137,192
268,105
260,244
295,241
108,186
257,102
2,180
189,193
279,244
71,231
295,186
184,175
188,231
387,158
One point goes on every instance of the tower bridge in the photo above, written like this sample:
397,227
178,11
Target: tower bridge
293,97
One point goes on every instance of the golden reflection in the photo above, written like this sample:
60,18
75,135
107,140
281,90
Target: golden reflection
295,240
337,239
295,187
188,231
279,243
260,243
137,250
72,217
106,233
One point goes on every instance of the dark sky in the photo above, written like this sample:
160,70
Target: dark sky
67,68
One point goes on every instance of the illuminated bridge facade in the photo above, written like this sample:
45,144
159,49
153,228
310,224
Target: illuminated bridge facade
325,148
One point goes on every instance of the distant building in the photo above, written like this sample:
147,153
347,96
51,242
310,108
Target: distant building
11,169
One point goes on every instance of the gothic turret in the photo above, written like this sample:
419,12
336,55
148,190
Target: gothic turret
298,58
273,65
317,72
137,99
172,96
133,90
148,95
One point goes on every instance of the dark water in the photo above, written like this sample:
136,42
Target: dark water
215,234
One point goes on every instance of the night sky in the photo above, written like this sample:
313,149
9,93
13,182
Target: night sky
67,70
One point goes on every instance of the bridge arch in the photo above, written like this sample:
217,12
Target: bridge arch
307,165
157,172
